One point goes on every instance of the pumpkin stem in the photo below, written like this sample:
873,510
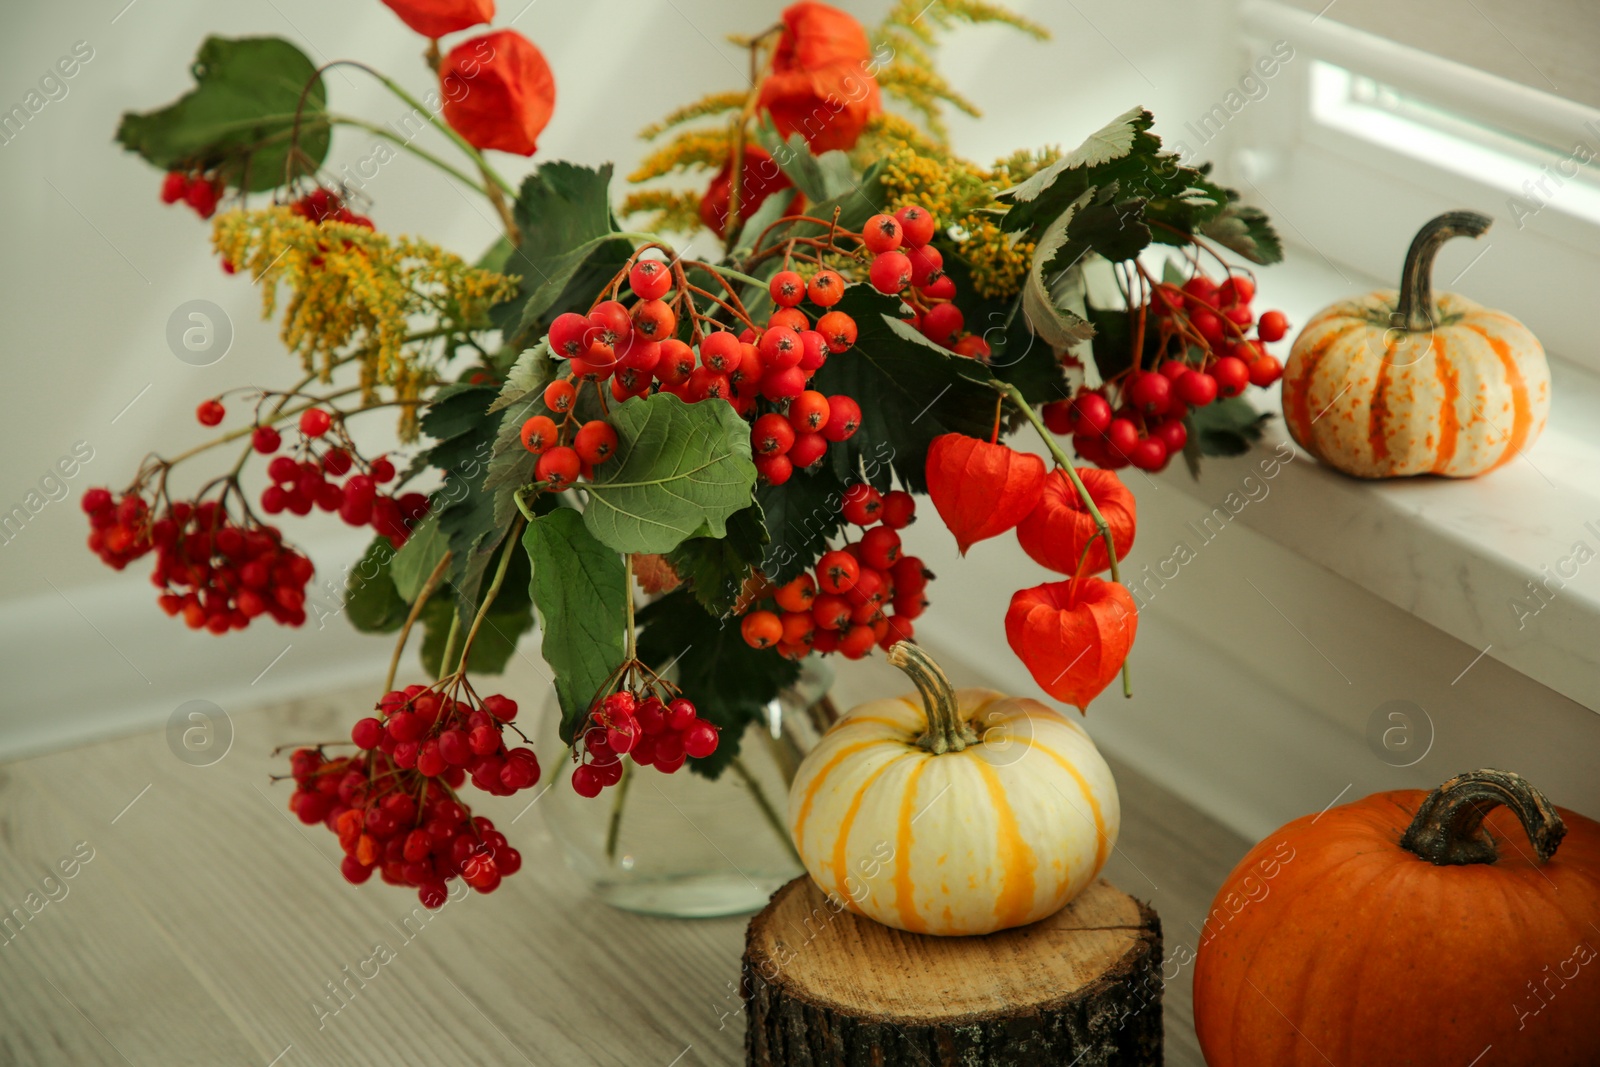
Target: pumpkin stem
1448,828
1414,310
946,732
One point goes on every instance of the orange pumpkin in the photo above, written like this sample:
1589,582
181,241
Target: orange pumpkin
1399,383
1410,928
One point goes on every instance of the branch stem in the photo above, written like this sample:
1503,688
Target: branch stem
1013,394
411,619
768,812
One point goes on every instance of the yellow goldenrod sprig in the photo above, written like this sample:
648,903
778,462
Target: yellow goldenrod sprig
393,301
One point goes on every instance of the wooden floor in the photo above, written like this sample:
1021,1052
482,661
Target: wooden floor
202,925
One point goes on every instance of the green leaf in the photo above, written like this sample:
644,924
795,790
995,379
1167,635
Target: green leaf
508,618
729,682
820,178
1058,328
1043,196
681,471
855,205
417,558
491,652
239,117
801,514
567,252
715,568
1016,354
370,598
1248,232
910,391
1226,427
580,591
464,431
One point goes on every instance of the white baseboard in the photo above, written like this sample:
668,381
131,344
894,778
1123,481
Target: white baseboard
92,662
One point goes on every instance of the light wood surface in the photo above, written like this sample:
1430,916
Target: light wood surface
208,925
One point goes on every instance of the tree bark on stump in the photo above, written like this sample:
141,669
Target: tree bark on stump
824,987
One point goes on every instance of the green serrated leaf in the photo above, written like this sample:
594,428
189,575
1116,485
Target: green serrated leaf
370,598
464,431
729,682
564,213
1248,232
417,558
910,391
497,255
496,642
240,115
531,370
801,514
1226,427
820,178
1058,328
1116,140
681,471
855,206
715,568
580,591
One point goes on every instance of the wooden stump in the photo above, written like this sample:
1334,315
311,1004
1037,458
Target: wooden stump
823,986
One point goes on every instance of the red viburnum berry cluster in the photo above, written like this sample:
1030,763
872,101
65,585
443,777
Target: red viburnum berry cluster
411,829
320,205
439,735
216,572
1203,351
863,594
198,191
298,485
907,265
650,730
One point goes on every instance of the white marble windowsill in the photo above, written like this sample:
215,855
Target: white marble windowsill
1508,562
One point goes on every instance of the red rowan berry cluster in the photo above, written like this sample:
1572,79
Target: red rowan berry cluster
1203,351
198,191
413,830
761,372
649,722
907,265
216,572
567,450
863,594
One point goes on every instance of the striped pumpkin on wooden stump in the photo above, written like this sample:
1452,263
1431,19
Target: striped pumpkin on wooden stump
1396,383
975,813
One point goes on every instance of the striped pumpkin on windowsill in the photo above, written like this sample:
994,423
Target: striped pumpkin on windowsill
1393,384
968,813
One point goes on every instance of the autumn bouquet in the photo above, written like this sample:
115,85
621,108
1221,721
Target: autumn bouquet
691,469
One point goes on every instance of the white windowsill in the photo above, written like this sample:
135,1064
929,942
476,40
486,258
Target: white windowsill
1457,554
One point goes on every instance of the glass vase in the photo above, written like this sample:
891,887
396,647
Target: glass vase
683,845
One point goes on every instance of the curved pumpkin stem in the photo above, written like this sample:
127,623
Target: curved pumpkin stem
946,732
1448,828
1414,311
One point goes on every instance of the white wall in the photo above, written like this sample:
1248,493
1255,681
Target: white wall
95,265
